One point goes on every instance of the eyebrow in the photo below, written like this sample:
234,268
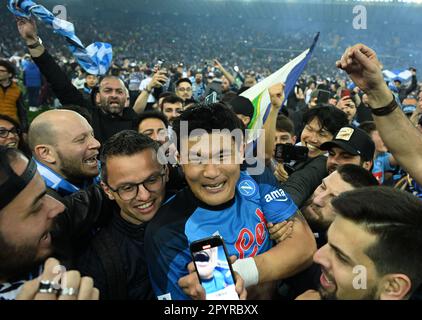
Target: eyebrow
38,198
341,253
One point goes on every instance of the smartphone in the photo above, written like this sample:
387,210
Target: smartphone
345,93
323,96
288,152
213,268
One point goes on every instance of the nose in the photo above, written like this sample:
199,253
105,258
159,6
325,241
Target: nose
321,257
143,193
54,207
320,199
211,171
95,144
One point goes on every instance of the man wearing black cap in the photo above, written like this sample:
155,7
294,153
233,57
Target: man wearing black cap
351,145
243,108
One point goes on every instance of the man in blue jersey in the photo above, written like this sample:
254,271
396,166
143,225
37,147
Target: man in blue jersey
222,199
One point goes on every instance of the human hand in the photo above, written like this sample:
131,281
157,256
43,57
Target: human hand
280,231
363,67
27,29
192,287
63,286
158,80
276,95
280,173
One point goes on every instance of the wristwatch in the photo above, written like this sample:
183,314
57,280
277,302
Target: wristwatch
36,44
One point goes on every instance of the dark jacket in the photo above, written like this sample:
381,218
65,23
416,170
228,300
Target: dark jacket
104,125
116,261
305,179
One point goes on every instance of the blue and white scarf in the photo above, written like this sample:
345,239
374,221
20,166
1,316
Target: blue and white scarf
58,183
95,59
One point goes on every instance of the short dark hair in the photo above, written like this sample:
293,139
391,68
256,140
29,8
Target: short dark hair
207,117
154,114
395,217
171,98
285,124
23,146
368,126
183,80
9,67
330,118
357,176
125,143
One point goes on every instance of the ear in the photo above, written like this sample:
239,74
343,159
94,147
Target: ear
246,120
367,165
294,138
97,98
395,286
45,153
107,191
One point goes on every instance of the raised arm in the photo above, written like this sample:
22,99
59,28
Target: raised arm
157,81
277,97
363,67
61,85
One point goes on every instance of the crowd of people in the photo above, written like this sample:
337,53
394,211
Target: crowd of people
111,185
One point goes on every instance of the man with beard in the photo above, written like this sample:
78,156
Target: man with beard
350,145
319,214
63,144
28,219
109,115
373,250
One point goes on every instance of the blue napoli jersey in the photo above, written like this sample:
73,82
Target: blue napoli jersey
241,222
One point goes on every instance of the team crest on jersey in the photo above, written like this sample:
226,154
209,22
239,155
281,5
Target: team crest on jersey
247,187
276,195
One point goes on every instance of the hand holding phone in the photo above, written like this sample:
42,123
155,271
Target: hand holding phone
288,152
214,269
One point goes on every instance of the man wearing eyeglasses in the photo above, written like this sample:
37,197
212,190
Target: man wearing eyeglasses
184,89
135,180
11,103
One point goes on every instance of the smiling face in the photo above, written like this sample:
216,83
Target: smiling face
155,129
11,139
345,250
337,157
213,168
76,149
318,210
313,135
25,225
125,171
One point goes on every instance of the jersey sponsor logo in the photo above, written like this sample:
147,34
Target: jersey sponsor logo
247,239
276,195
247,187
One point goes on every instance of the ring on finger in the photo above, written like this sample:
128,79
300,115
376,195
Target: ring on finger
69,292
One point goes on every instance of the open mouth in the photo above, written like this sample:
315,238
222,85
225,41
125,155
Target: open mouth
312,148
214,187
146,207
326,282
12,145
92,161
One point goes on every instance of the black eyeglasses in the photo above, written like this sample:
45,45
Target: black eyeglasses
130,191
5,132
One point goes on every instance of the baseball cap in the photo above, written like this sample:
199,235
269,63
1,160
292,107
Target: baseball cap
354,141
242,105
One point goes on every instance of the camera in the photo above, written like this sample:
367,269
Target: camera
289,152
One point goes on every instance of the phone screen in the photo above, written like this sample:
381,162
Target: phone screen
214,269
